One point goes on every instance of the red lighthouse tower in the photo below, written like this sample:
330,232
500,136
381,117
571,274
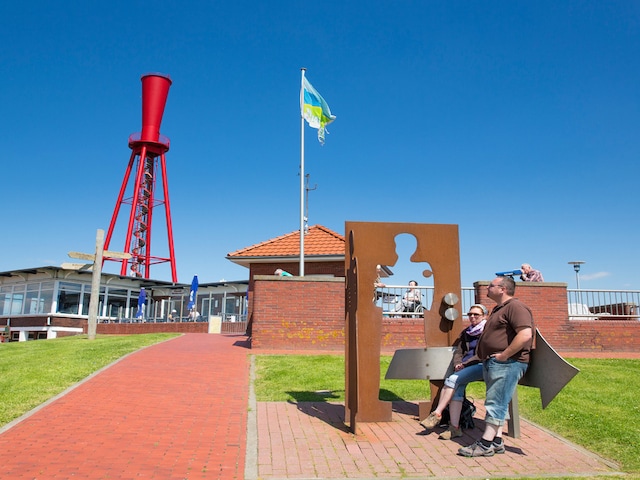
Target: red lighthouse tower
148,150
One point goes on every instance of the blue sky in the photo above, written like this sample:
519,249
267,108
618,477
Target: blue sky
516,120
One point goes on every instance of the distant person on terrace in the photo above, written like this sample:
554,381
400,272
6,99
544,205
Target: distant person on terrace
529,274
411,298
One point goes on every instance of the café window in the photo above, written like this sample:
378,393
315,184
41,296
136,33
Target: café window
116,303
69,296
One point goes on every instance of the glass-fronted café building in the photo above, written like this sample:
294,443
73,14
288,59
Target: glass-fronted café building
47,302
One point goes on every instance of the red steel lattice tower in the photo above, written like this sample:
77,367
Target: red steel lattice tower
148,150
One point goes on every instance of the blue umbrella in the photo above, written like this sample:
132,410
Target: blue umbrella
193,292
141,299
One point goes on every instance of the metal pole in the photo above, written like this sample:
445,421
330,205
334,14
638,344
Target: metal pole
576,268
301,273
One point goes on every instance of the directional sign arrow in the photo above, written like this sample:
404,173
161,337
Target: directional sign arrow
109,253
82,256
76,266
106,253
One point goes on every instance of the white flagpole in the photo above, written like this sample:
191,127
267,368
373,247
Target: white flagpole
301,273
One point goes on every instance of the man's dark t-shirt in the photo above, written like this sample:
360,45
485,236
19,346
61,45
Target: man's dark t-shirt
503,324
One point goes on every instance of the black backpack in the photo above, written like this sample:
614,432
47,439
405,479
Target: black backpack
466,415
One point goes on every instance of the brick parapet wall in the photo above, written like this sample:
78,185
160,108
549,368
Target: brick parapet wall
138,328
298,313
334,269
327,269
37,322
547,301
548,304
401,333
317,320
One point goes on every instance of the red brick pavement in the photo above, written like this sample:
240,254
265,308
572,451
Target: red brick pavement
309,441
183,410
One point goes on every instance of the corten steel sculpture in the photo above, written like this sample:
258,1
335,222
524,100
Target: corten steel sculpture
148,148
369,244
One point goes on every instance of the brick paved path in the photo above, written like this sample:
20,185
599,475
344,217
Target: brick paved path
175,410
309,441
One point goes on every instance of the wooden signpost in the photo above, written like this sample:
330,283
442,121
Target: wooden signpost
96,269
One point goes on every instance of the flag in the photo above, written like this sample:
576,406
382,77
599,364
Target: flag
314,109
141,299
193,292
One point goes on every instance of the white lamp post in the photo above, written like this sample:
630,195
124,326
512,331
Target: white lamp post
576,267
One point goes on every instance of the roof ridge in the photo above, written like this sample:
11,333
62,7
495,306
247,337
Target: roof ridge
266,242
327,230
318,236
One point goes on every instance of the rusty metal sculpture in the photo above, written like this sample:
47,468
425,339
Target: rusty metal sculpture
369,244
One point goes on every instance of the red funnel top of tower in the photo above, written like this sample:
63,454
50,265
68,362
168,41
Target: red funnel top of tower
155,89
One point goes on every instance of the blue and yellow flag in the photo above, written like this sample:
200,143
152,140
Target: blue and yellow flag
314,109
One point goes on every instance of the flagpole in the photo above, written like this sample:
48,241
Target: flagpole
301,273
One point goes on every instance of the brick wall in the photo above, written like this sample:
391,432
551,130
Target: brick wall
335,269
548,303
316,318
401,333
137,328
298,313
107,328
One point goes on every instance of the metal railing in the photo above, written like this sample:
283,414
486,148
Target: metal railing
582,304
235,328
235,324
395,304
603,304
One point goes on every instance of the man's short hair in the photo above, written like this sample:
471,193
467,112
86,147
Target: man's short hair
509,284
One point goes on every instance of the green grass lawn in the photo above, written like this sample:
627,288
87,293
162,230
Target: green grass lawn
598,409
32,372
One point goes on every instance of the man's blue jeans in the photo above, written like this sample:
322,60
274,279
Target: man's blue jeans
501,379
459,380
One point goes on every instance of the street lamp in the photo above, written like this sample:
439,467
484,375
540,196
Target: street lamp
576,268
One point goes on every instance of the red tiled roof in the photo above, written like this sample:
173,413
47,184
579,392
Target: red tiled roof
318,241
